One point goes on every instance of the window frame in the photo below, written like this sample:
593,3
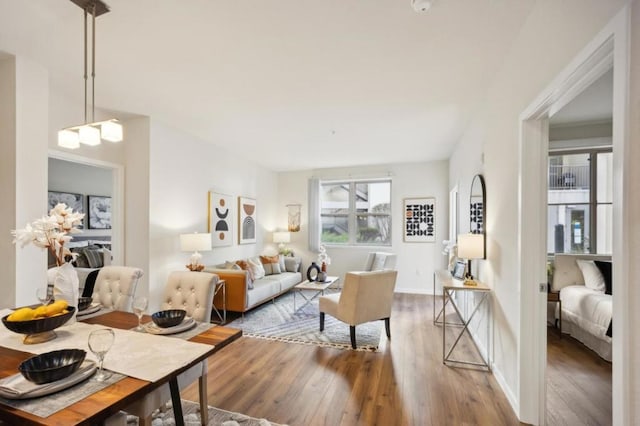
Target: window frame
593,190
352,213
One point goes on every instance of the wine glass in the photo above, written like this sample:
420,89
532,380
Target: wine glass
100,342
43,295
140,304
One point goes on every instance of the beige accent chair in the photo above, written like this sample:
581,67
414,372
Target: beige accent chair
365,296
193,292
115,287
380,261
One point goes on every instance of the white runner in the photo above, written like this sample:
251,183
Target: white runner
140,355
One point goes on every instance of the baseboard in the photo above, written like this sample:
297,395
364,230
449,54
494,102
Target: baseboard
506,389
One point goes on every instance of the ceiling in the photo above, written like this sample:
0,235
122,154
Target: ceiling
594,104
292,84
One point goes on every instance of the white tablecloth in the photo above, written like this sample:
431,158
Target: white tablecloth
140,355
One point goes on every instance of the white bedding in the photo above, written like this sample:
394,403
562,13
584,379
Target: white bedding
586,315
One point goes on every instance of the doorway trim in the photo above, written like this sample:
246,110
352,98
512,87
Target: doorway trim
117,196
610,48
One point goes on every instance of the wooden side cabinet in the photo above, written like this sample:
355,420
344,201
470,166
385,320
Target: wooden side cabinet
554,296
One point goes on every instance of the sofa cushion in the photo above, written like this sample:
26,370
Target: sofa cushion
263,289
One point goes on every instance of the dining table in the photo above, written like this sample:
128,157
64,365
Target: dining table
99,406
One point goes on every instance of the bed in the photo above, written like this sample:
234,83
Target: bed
586,307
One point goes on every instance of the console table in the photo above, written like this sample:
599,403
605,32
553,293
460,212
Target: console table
480,293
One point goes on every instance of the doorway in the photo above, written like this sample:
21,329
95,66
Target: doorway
113,175
609,49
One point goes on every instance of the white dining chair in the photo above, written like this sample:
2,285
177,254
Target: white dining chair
115,287
193,292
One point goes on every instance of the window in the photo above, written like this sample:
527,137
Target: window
580,202
356,212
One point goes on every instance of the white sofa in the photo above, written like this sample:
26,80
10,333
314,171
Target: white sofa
586,313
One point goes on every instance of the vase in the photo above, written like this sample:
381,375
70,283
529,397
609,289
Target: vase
314,267
65,282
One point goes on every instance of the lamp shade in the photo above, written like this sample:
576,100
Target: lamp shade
195,242
281,237
471,246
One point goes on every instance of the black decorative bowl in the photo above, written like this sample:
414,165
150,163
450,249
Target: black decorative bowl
41,329
84,303
168,318
51,366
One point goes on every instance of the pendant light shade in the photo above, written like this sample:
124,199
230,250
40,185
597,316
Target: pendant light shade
89,135
111,131
68,139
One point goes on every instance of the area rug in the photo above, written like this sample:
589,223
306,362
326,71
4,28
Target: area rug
191,413
278,321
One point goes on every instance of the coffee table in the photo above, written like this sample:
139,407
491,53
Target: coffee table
316,287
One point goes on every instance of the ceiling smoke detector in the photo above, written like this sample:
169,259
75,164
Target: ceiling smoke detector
421,6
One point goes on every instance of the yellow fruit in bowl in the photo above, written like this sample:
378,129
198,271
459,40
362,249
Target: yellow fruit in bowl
22,314
40,312
56,307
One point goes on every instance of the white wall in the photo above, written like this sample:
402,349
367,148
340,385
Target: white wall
555,31
633,243
7,179
416,261
32,119
182,170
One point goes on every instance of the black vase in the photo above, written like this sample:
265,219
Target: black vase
311,268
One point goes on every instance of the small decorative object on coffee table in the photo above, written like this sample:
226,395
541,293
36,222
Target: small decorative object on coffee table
314,267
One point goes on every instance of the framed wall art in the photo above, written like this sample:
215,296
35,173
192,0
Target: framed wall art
247,226
419,220
99,212
220,219
75,201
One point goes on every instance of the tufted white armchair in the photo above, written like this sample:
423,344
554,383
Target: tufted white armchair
115,287
365,296
380,261
193,292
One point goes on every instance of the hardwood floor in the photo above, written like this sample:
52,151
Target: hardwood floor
578,383
404,383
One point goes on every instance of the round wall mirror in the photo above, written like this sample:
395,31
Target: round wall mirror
477,205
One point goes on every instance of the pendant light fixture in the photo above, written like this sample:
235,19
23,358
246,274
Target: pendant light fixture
91,132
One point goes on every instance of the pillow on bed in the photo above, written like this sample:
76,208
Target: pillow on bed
605,270
593,279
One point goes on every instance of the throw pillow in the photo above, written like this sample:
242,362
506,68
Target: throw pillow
81,260
229,265
94,257
378,263
256,268
605,270
244,265
592,277
283,268
271,264
292,264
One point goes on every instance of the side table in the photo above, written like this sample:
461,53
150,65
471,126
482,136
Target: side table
480,290
221,285
554,296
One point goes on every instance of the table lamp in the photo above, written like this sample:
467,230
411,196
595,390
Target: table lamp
281,238
195,242
470,246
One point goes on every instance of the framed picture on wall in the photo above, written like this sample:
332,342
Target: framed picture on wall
247,226
220,223
73,200
419,220
99,212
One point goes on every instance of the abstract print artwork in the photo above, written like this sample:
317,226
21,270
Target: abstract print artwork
246,220
99,212
419,220
476,215
220,219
